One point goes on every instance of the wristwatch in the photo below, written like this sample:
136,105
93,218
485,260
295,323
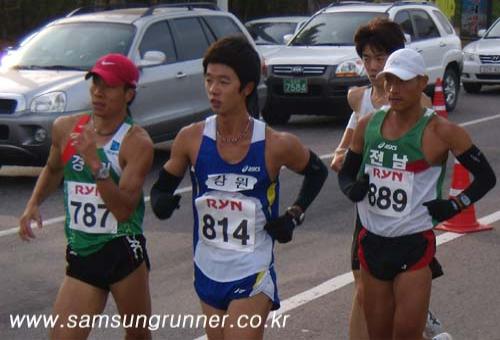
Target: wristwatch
463,200
297,214
102,173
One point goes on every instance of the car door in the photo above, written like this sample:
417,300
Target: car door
429,42
160,105
192,41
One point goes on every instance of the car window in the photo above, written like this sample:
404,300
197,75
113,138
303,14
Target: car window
190,38
332,29
494,31
424,25
74,45
270,33
444,21
222,26
158,37
404,20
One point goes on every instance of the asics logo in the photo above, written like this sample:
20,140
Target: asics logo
386,146
239,291
247,168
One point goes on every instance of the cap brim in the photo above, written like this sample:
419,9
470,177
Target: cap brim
398,72
109,78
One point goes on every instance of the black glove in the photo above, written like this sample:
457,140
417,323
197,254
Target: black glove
442,210
357,190
281,228
164,204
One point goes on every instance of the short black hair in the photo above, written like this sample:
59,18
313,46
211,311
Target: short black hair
381,34
237,53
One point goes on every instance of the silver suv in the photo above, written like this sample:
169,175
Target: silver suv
45,78
312,74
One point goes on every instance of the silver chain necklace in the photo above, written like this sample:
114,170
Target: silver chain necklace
235,139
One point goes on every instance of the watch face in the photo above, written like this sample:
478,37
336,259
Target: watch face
464,199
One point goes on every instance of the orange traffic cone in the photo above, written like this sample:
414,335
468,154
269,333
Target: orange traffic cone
466,221
438,101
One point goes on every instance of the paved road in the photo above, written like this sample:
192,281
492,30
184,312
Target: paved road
466,299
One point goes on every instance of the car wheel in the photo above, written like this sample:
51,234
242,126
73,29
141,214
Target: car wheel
274,116
472,87
451,87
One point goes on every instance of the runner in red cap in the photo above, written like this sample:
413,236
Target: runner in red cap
104,158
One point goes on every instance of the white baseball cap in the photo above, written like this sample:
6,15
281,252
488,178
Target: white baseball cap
405,64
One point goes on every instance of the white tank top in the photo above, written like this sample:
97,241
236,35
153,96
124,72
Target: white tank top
365,107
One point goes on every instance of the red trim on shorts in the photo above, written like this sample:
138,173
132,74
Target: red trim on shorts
417,166
429,252
361,253
70,150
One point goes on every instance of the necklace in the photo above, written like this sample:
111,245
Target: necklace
235,139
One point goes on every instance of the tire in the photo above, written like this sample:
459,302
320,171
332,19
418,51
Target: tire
472,87
274,116
451,88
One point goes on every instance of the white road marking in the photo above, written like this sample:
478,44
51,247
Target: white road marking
345,279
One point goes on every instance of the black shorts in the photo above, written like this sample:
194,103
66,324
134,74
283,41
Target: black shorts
435,266
112,263
386,257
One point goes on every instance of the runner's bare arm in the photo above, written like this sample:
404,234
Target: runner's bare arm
136,155
47,182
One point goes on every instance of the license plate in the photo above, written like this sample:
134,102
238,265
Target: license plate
489,69
293,85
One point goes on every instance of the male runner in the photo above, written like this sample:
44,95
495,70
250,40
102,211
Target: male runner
374,42
394,169
234,162
103,157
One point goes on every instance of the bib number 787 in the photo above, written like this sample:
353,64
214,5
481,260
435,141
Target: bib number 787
86,213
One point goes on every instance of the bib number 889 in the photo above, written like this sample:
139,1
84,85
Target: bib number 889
384,198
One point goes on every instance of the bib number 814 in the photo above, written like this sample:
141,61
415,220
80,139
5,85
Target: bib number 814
239,233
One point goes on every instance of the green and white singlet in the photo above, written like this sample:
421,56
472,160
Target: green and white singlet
400,180
89,224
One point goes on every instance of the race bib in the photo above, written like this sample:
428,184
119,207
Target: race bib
230,182
390,191
226,222
87,211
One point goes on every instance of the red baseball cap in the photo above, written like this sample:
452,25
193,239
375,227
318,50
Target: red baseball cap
115,69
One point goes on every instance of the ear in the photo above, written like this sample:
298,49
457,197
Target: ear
129,94
248,88
423,80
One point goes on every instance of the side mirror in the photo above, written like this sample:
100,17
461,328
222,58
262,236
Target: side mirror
481,33
287,38
152,58
407,38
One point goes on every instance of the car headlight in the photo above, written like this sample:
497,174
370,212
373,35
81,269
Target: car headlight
470,56
350,68
49,102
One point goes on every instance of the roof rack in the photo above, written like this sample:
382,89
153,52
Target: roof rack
92,9
412,2
189,5
346,3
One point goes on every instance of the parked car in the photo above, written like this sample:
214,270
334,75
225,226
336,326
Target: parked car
46,79
312,74
482,60
269,33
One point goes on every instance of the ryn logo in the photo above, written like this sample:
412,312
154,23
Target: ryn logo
223,204
86,190
394,175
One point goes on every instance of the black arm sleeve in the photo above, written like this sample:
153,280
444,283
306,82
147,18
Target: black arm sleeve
355,189
163,200
315,174
484,177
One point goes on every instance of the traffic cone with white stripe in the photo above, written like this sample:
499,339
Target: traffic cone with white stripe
438,102
466,221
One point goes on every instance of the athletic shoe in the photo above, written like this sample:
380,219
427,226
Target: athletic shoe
432,326
442,336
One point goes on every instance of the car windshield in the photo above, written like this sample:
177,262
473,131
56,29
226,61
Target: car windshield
271,33
494,32
332,29
75,46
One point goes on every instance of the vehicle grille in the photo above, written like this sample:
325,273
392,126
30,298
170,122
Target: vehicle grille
4,132
488,76
299,70
7,106
490,59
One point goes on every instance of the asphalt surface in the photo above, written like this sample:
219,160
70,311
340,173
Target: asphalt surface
466,299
